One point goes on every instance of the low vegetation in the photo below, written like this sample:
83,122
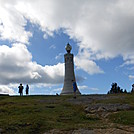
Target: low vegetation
39,114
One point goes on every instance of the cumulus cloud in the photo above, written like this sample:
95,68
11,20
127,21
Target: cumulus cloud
12,23
87,65
16,66
104,29
6,90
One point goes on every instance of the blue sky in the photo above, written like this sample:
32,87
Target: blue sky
33,36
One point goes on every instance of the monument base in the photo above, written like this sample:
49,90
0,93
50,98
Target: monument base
66,92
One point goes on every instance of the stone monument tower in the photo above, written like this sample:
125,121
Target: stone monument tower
69,73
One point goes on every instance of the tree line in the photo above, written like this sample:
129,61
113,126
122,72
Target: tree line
116,89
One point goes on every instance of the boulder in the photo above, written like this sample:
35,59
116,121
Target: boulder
106,108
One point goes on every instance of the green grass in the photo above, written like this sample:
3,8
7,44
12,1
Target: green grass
123,117
38,114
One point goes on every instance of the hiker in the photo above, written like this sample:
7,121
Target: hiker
21,89
57,94
74,88
27,89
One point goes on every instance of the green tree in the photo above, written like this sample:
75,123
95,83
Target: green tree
125,91
116,89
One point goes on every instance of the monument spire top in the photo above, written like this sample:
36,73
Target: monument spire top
68,48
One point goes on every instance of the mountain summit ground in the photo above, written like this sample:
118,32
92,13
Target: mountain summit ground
65,115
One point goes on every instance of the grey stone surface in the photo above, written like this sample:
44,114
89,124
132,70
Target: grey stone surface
94,131
89,99
107,108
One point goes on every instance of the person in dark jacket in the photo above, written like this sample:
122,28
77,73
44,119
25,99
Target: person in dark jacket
21,89
74,88
27,89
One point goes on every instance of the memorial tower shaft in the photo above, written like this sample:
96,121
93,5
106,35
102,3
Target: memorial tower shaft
69,73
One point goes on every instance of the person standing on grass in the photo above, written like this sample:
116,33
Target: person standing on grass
27,89
74,88
21,89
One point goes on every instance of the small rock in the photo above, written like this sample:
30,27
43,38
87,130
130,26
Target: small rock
83,131
92,111
106,115
101,109
92,116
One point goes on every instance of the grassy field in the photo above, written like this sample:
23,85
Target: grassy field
39,114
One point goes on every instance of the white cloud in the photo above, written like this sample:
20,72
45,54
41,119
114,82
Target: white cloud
84,87
16,66
87,65
94,89
52,47
12,23
59,56
6,90
131,77
57,90
104,29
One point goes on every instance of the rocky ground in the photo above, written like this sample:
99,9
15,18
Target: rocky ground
91,114
101,111
95,131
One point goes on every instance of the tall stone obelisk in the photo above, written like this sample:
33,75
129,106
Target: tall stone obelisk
69,73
